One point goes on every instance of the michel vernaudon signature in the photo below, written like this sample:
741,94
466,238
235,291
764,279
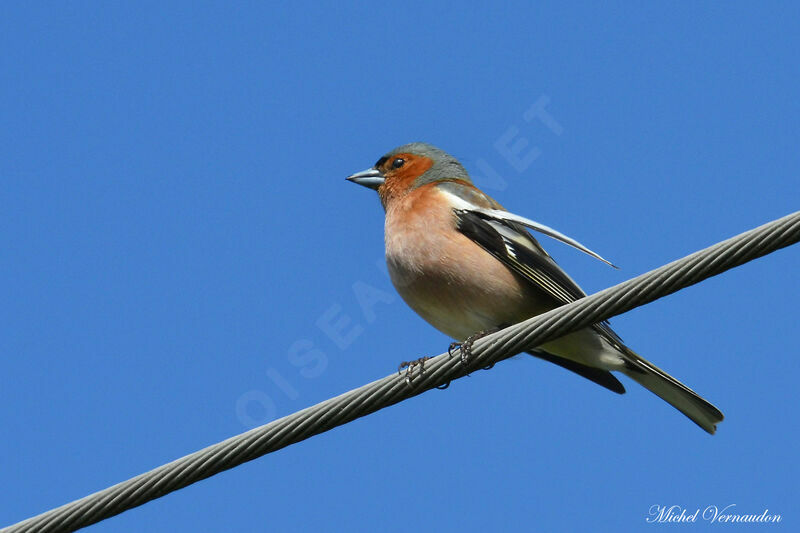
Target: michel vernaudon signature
675,514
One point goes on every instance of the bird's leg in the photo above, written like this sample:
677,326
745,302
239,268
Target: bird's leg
465,348
409,366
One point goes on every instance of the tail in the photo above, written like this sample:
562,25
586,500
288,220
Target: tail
672,391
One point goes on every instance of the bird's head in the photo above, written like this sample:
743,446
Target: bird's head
407,167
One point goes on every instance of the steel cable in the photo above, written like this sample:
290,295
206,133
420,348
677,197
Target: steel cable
438,371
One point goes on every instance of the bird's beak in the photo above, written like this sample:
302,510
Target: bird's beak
371,178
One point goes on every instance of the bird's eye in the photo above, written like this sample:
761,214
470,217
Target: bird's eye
399,162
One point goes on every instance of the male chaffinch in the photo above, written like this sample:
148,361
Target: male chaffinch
467,265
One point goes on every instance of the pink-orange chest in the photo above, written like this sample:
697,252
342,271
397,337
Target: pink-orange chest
420,233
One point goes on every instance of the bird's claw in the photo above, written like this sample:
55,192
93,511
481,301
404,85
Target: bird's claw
453,347
409,366
465,348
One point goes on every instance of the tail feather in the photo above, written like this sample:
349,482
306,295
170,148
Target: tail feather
672,391
600,376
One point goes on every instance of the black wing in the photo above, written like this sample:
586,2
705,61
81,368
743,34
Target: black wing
511,244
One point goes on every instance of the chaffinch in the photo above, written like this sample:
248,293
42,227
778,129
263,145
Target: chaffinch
467,265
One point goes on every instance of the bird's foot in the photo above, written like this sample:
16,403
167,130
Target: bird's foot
465,348
409,366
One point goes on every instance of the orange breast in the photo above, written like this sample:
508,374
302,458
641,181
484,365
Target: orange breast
444,276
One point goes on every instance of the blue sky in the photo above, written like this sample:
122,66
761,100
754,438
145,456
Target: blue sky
176,232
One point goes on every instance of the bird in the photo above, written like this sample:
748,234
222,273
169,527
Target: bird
468,266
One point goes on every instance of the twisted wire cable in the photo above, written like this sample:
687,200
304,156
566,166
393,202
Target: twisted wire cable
438,371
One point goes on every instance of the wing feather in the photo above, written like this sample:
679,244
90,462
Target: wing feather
507,239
